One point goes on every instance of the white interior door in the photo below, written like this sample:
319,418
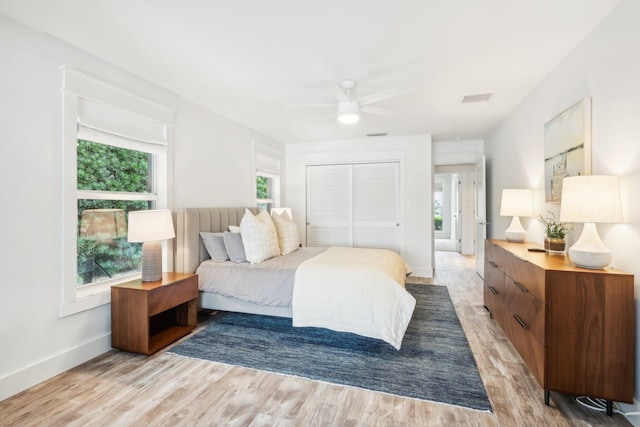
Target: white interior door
329,206
480,215
354,205
376,218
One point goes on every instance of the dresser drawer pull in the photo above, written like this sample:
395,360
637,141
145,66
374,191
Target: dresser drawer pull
524,325
493,264
522,288
493,291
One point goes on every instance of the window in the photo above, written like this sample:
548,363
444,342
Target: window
267,176
112,181
114,160
265,185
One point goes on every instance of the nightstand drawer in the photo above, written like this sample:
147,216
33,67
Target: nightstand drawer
168,296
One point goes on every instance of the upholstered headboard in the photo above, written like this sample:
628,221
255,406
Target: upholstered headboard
188,249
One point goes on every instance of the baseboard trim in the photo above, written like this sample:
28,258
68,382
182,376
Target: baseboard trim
422,272
36,373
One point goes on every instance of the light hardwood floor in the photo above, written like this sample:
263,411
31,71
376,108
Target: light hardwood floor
122,389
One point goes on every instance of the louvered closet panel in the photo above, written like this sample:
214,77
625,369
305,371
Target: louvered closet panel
375,205
353,205
329,212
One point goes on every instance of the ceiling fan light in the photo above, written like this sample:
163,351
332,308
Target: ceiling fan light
348,112
348,117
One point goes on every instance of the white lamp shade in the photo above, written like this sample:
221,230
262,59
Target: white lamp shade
150,225
591,198
516,202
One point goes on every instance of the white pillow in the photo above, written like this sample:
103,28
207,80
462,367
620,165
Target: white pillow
288,237
259,237
234,229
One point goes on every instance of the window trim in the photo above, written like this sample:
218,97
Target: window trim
77,87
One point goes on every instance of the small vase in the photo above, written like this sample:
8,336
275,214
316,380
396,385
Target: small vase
554,245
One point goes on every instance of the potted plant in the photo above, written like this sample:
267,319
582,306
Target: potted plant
555,234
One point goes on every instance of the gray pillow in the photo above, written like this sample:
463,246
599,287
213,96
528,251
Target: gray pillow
233,244
214,243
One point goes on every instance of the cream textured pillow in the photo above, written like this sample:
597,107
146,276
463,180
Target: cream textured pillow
288,237
259,237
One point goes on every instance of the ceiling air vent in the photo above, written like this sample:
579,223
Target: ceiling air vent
470,99
377,134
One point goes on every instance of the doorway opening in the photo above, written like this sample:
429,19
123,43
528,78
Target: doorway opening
454,208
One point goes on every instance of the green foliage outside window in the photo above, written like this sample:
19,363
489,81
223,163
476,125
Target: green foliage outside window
262,187
108,168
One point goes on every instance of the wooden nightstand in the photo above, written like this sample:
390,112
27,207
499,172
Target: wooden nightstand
147,316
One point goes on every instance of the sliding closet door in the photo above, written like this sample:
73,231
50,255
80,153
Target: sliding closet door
375,205
329,212
353,205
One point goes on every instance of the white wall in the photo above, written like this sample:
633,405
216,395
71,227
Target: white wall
211,167
414,153
212,161
467,151
605,67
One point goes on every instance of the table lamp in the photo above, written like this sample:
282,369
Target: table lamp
590,199
149,227
516,203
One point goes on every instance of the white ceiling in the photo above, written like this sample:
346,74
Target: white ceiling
247,59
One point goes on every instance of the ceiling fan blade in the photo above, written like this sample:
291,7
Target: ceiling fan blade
311,105
378,111
385,94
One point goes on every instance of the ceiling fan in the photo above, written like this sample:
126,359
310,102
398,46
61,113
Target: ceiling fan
349,108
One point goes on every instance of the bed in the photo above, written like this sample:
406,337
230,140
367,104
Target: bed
317,287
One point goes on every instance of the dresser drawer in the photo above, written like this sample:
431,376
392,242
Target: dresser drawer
530,276
495,255
528,347
527,310
493,285
165,297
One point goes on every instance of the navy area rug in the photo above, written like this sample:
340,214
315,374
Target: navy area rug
434,363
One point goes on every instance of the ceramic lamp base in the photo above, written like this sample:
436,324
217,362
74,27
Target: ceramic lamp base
589,251
151,261
515,232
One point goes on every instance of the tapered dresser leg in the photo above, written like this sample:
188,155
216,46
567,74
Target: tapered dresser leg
546,397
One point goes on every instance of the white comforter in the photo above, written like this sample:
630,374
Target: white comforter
354,290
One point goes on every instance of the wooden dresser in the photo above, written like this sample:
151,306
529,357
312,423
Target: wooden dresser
573,327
